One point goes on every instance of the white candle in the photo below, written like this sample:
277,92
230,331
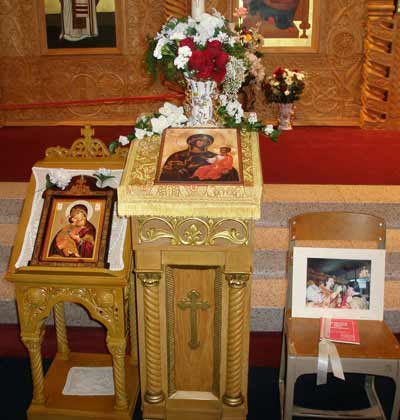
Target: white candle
197,8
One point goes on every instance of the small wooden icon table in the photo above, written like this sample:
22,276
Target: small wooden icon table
193,260
107,296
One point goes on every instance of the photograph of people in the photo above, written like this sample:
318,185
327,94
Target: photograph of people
325,295
77,238
334,283
197,163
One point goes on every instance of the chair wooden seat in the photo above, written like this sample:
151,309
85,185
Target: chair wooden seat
376,340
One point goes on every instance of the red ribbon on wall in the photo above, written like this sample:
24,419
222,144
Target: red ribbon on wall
107,101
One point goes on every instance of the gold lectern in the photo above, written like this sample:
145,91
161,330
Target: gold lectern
105,294
192,245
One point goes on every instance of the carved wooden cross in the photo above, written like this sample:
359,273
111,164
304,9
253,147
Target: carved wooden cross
193,304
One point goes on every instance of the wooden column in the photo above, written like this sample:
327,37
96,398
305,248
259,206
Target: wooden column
233,393
150,282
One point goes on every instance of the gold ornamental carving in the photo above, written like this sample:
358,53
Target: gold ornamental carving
193,231
237,280
149,279
101,303
86,147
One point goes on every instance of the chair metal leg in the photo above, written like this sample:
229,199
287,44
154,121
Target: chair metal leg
396,401
289,389
372,395
282,374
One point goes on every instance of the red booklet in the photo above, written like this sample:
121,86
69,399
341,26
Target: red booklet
340,330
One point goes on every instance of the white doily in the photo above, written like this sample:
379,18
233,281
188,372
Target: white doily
118,228
89,381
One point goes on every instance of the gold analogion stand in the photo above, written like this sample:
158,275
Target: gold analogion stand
193,259
106,295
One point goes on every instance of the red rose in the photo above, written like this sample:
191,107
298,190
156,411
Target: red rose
218,74
221,59
187,42
201,63
213,47
278,71
196,60
206,71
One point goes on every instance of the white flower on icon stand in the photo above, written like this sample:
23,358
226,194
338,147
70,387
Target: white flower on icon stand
103,176
123,140
158,124
252,118
174,114
59,178
269,129
141,133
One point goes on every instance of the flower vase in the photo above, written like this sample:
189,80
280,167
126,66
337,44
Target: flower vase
286,112
200,102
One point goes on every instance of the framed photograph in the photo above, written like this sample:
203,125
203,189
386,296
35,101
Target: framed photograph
286,25
338,283
200,156
80,26
75,225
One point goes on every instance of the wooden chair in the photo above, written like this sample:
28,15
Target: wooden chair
379,351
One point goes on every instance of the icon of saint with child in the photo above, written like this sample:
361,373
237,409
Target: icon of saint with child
76,239
197,163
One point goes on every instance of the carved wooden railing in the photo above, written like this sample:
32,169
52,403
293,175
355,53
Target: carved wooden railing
86,147
381,86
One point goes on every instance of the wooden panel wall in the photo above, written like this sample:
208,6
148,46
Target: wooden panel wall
332,95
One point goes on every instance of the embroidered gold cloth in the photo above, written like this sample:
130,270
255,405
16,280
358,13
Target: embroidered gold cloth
138,195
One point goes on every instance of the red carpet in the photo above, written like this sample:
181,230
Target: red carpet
306,155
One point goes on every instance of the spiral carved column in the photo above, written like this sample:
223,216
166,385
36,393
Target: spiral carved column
62,339
150,283
117,349
380,88
33,344
237,292
132,324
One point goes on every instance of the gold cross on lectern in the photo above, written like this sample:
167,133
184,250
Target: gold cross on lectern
193,304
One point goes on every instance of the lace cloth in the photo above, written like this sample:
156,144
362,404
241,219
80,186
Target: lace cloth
118,228
89,381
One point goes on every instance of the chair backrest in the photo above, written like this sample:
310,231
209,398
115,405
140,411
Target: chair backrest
363,230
